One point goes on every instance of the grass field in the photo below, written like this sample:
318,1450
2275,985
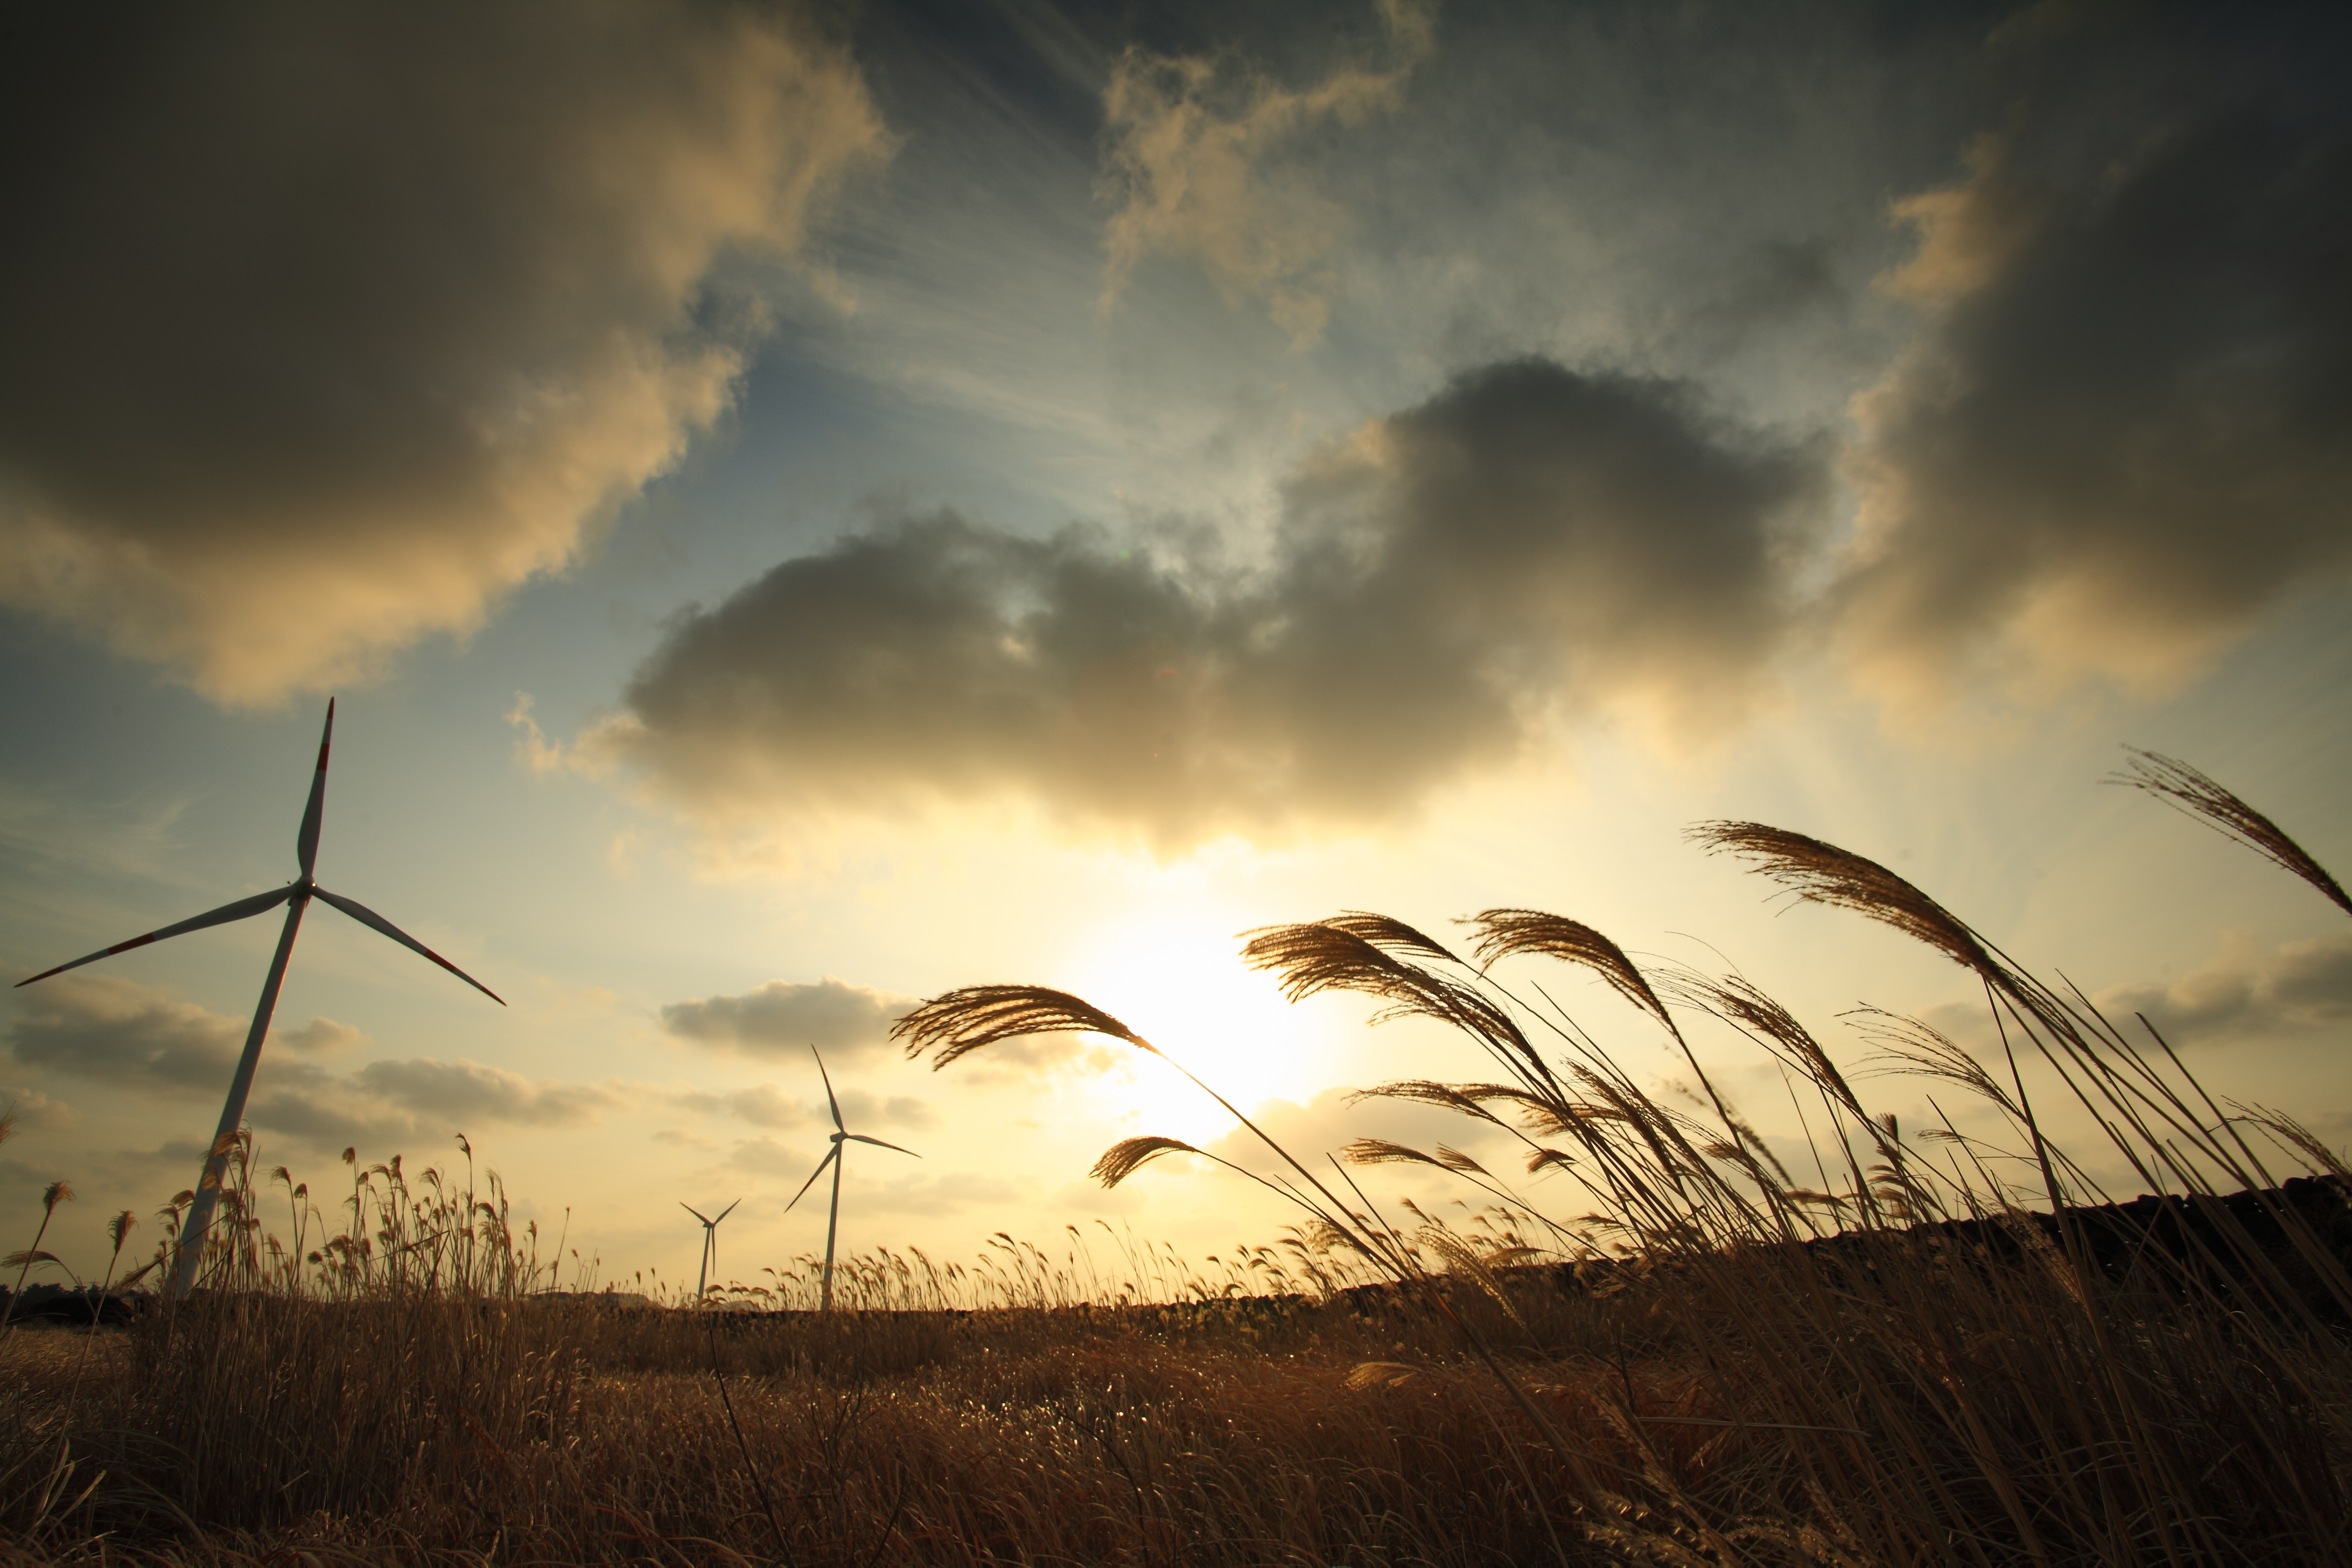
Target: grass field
1691,1358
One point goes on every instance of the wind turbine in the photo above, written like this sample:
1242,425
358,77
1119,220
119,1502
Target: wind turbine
709,1244
296,896
840,1135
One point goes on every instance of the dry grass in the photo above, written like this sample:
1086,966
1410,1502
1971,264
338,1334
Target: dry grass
1221,1430
1897,1367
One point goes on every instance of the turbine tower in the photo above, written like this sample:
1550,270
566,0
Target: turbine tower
840,1135
296,896
709,1244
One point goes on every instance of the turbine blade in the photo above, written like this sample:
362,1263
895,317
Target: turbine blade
828,1091
695,1212
369,918
879,1144
830,1157
238,911
306,842
728,1210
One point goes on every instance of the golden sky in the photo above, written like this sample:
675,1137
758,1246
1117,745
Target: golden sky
804,509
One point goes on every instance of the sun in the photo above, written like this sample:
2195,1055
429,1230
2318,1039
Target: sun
1175,976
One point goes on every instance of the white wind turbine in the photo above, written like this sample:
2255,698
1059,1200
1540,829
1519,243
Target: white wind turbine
709,1244
840,1135
296,896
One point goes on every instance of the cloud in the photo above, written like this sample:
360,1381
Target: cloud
331,1115
155,1173
320,1038
2120,436
134,1037
2241,993
2333,1128
119,1031
1440,588
1190,154
58,827
329,327
786,1017
385,1102
2244,992
32,1109
21,1183
462,1091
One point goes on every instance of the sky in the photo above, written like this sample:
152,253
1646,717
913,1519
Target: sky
803,510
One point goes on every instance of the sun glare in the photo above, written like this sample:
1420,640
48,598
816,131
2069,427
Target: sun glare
1176,977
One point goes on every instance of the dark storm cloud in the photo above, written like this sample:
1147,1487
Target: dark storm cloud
1531,542
785,1018
326,325
2123,434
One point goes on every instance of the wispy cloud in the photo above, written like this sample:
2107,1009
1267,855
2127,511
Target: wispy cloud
1190,154
52,827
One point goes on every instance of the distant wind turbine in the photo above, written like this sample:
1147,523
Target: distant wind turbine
709,1244
840,1135
296,896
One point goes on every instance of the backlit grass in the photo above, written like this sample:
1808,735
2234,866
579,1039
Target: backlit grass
1684,1353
